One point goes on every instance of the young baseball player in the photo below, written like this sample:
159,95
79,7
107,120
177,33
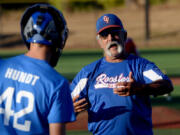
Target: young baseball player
34,98
115,89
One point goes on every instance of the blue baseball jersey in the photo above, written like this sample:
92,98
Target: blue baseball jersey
32,95
109,113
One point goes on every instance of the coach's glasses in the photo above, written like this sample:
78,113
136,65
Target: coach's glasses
115,33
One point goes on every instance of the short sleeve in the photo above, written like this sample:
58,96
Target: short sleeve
61,108
79,83
152,73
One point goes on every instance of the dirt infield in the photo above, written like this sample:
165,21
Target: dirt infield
162,117
176,81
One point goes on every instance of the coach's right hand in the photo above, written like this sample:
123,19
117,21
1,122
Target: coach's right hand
79,105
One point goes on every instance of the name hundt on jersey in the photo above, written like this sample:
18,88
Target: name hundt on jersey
21,77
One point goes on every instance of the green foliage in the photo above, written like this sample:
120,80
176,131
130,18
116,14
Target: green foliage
111,3
78,5
154,2
56,3
22,1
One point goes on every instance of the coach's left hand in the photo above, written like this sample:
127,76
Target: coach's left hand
79,105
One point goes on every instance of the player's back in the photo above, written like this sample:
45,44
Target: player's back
28,88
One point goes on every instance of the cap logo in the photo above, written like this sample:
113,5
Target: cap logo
106,19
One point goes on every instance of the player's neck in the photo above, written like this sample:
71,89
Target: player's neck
39,52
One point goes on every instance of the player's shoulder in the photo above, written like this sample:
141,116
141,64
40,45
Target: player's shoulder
55,75
15,60
21,56
9,61
1,62
49,74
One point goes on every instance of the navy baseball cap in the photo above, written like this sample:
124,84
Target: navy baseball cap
108,21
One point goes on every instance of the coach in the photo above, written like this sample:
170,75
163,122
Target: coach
115,89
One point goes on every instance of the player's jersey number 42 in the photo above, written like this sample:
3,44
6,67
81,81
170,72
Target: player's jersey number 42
7,97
